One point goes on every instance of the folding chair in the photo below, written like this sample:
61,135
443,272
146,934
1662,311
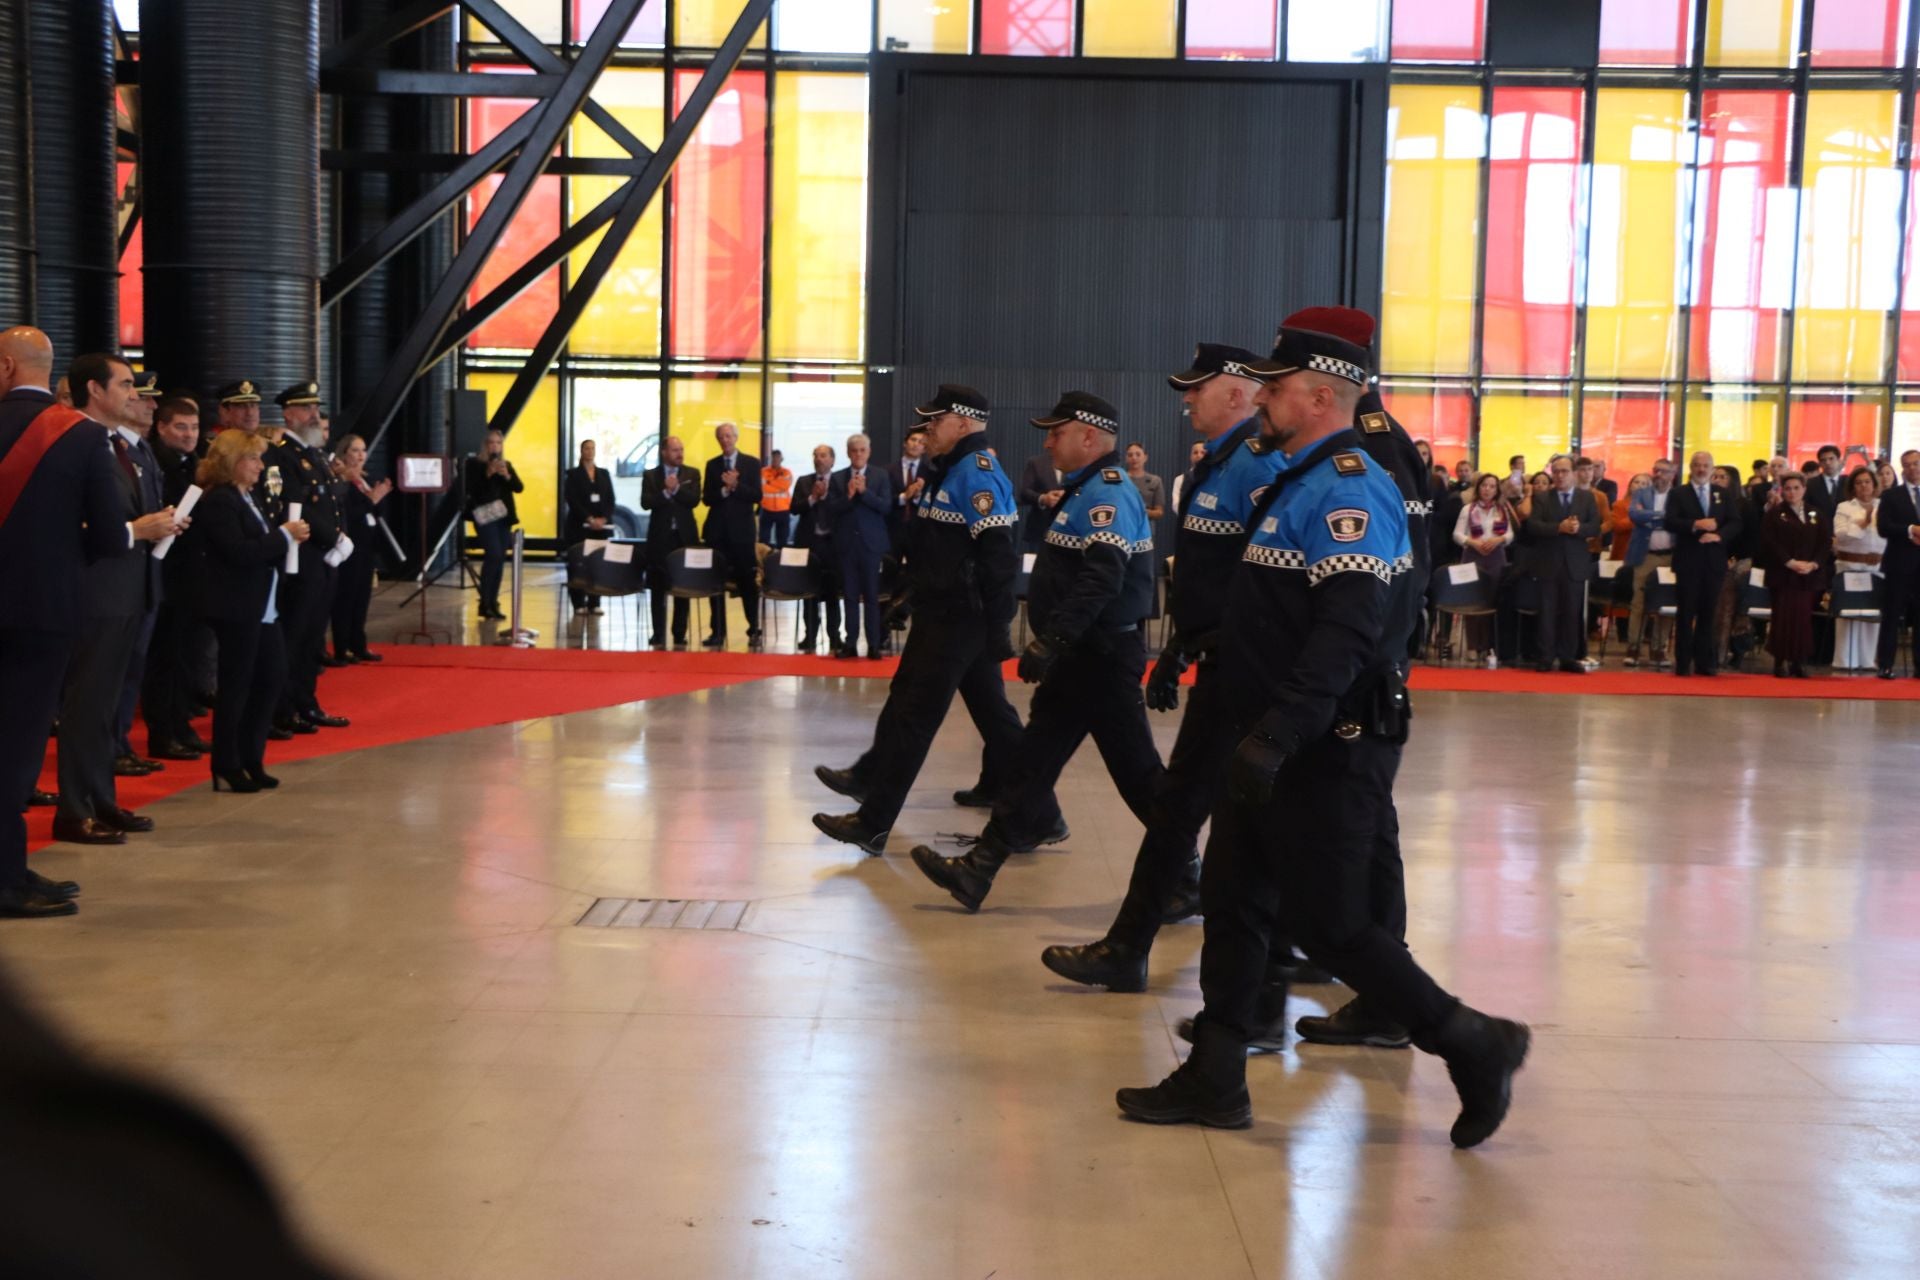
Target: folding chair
1456,595
779,580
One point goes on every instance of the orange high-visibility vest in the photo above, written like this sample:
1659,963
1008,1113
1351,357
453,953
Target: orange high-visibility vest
776,489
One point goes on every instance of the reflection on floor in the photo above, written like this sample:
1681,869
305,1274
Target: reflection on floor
1706,907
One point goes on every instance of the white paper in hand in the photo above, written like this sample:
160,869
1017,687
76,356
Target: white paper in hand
793,557
1461,574
293,548
699,557
619,553
187,502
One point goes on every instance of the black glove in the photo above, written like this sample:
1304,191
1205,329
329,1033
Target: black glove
1163,686
1256,763
1001,644
898,612
1038,659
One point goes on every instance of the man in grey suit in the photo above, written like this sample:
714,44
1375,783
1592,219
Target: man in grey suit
118,591
1563,519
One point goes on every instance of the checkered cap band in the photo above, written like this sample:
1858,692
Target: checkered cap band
1338,368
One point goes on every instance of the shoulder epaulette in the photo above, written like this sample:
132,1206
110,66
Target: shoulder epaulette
1111,476
984,461
1349,463
1256,444
1374,422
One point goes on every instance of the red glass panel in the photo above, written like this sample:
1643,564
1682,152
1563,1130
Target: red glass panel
534,225
1441,416
1439,30
1028,28
649,26
1857,33
133,329
1628,433
1232,29
1844,420
719,222
1535,158
1743,225
1646,32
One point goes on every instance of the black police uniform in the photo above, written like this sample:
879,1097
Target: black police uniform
1228,481
298,472
960,565
1092,585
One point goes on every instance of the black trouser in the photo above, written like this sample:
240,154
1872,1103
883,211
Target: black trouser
1093,689
773,528
89,708
494,539
130,682
1695,645
826,569
1307,863
166,691
657,597
736,561
352,594
1902,603
1561,622
1180,805
31,666
306,603
253,670
941,657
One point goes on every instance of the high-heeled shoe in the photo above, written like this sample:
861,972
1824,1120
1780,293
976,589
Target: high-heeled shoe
235,782
262,779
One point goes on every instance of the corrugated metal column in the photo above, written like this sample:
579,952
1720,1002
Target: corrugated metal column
230,94
73,183
16,149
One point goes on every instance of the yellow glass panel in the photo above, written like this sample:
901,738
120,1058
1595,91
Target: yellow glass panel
927,26
1849,237
696,406
1536,425
624,317
540,17
533,445
1733,427
1129,29
1436,135
1641,146
819,215
703,24
1751,33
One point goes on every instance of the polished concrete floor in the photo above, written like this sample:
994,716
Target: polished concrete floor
1708,910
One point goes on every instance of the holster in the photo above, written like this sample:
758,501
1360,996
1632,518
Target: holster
1378,707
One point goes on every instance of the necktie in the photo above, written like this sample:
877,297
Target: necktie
126,463
1706,502
1566,501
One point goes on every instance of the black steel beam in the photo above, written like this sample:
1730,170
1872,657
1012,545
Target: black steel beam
447,162
550,120
420,215
439,84
402,22
639,193
521,280
132,225
543,59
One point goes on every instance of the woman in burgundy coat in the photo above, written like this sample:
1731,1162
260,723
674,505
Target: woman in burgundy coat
1797,542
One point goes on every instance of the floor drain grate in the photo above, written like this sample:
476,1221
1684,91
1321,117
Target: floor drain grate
663,913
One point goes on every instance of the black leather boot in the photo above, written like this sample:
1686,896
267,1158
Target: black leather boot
1353,1023
1105,963
1482,1054
969,876
1209,1088
847,828
1270,1013
843,781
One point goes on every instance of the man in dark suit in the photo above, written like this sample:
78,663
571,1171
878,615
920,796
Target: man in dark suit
166,692
61,505
732,494
1899,524
1041,487
1704,520
1563,519
118,591
1826,489
670,493
813,529
903,475
859,499
146,470
297,472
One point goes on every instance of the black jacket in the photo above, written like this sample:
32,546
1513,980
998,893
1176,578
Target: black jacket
805,512
483,488
731,520
69,515
585,499
1565,555
673,524
1683,508
234,558
953,571
298,472
1897,515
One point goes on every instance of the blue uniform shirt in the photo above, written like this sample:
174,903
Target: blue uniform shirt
1227,484
974,492
1095,565
960,557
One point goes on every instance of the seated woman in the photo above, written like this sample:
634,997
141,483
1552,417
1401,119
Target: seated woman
1857,548
1797,547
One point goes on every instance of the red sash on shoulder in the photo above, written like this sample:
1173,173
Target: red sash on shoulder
18,466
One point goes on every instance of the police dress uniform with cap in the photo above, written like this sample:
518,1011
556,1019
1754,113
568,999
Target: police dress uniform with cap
960,568
151,480
1092,584
298,472
1311,675
1230,478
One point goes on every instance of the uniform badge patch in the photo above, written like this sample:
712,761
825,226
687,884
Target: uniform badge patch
1102,516
1207,500
1374,422
941,496
1110,476
1270,525
983,502
1348,524
983,461
273,481
1349,464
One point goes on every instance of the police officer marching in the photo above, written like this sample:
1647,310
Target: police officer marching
1218,392
1092,585
960,568
297,471
1311,678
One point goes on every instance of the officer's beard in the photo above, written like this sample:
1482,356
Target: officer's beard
1272,432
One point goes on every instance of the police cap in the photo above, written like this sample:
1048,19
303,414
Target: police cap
146,385
241,392
1329,340
1081,406
1210,360
953,398
299,393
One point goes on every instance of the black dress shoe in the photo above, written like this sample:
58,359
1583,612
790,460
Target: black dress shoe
277,734
1482,1056
27,902
368,655
1351,1023
1543,667
172,751
848,829
86,831
974,797
52,888
325,721
1573,668
296,725
194,742
38,799
841,782
131,766
238,783
1112,965
1885,673
262,779
846,651
336,662
127,820
714,642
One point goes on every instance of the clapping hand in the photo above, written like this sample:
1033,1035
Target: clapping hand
673,479
381,490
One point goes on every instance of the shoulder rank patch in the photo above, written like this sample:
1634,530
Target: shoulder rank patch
1348,524
1110,475
1374,422
1257,443
983,502
1100,517
1349,464
984,461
